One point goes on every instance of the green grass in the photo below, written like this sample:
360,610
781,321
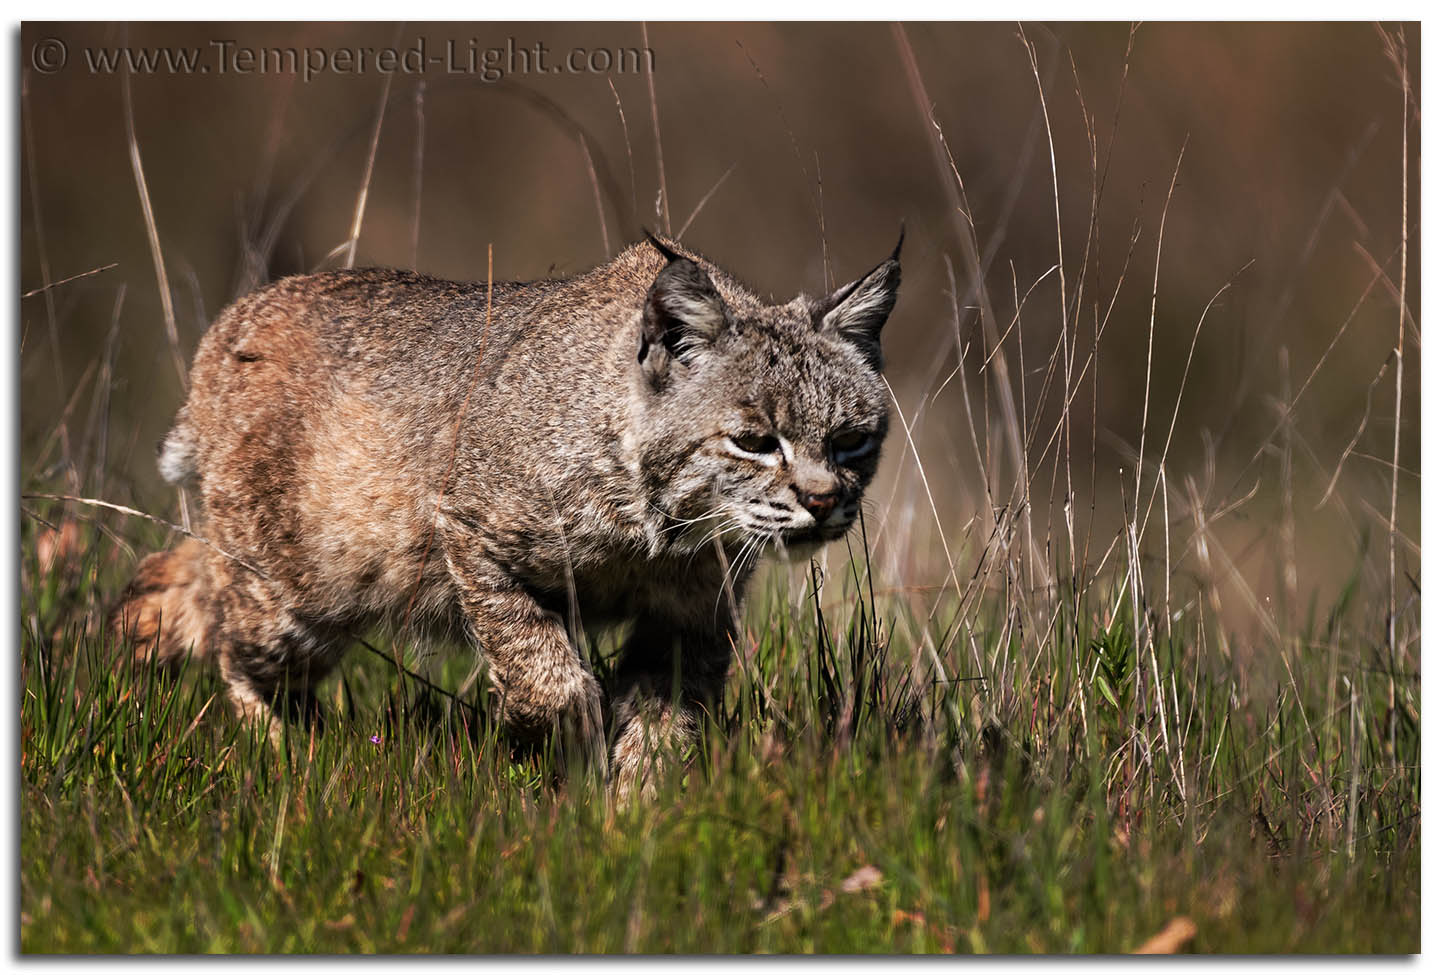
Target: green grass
1033,805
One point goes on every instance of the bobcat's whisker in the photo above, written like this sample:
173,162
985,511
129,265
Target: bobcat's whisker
753,545
730,523
680,523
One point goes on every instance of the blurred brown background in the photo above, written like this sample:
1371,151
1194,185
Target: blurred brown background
1290,188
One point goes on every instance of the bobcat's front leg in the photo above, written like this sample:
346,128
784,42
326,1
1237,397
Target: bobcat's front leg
544,686
671,673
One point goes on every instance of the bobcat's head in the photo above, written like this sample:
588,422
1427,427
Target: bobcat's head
761,423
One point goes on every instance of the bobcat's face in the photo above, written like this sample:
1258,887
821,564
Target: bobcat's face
797,436
766,422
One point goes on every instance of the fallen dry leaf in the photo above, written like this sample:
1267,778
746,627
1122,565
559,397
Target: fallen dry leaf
1170,939
52,547
865,878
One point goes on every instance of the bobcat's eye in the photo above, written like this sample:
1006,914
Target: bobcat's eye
847,445
754,443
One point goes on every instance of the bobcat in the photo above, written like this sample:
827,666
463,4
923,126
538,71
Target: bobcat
512,460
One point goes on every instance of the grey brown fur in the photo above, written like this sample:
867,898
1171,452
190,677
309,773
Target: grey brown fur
617,446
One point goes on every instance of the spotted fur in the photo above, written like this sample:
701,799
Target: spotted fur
511,463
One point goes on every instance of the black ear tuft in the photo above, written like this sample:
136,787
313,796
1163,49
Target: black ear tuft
666,252
857,311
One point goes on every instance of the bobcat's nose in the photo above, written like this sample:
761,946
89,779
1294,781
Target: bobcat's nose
820,505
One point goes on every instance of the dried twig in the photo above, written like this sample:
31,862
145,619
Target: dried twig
419,168
360,203
1152,320
134,513
1397,54
167,306
665,203
74,277
596,190
704,200
626,137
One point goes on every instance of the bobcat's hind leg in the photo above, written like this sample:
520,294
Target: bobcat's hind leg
167,610
270,658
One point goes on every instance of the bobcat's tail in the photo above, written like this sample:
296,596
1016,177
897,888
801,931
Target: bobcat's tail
176,452
165,607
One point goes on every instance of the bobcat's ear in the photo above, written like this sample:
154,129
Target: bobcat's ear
684,313
857,311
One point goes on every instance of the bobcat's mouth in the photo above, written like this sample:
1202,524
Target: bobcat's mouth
793,539
815,534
